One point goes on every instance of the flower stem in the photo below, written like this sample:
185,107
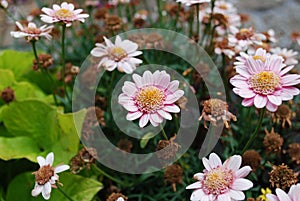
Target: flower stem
163,132
63,61
109,176
159,12
177,16
198,21
62,192
254,134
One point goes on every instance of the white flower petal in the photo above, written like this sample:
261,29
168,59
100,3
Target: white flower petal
41,160
49,159
241,184
236,195
144,120
61,168
194,185
214,160
133,115
37,190
234,162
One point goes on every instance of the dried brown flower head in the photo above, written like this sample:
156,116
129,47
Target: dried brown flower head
113,23
84,159
294,152
273,141
8,95
244,34
284,115
36,12
70,72
115,196
148,41
282,177
244,17
46,60
215,110
172,10
220,19
44,174
251,158
138,22
295,36
167,149
173,174
101,13
125,145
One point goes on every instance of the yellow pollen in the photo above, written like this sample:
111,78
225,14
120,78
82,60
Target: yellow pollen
264,82
118,53
150,99
64,13
217,181
223,6
258,57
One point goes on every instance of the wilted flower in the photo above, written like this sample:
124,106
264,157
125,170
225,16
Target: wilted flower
166,150
273,141
292,195
84,159
7,95
215,110
295,36
150,98
265,83
113,23
221,181
46,60
191,2
251,158
173,174
223,47
264,192
283,114
117,197
282,176
46,177
287,55
119,55
31,32
101,13
64,13
125,145
294,152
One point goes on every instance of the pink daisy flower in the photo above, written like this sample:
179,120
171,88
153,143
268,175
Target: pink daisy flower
292,195
32,32
289,56
219,181
46,177
119,55
64,13
150,97
263,82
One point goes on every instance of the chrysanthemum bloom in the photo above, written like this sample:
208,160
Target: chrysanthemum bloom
283,114
282,177
221,181
292,195
31,32
287,55
265,83
64,13
263,196
150,98
191,2
260,54
215,110
46,177
119,55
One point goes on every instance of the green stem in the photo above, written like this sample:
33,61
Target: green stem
108,176
63,61
198,21
163,132
254,134
159,12
177,16
62,192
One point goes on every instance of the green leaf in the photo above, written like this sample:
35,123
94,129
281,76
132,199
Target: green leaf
25,90
7,78
18,147
77,187
145,139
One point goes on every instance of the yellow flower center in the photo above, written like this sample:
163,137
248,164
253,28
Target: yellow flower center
264,82
31,30
64,13
258,57
118,53
150,99
223,6
217,181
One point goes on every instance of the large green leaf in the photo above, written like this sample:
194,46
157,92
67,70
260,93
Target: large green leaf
7,78
77,187
47,126
18,147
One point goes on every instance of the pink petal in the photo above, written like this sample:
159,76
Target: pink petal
138,80
164,114
236,195
248,102
294,192
275,99
133,115
214,160
282,196
272,197
165,80
224,197
173,86
260,101
154,124
129,88
171,108
243,172
234,162
130,107
243,72
49,159
206,164
156,118
144,120
199,176
290,80
194,185
147,78
246,93
271,107
174,97
197,195
37,190
285,70
242,184
46,190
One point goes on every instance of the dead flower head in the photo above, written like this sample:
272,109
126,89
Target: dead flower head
166,149
284,115
46,60
173,174
125,145
84,159
273,141
7,95
251,158
294,152
282,177
117,197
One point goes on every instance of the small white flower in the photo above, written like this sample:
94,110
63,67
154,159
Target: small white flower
120,199
32,32
46,177
191,2
119,55
65,13
4,4
287,55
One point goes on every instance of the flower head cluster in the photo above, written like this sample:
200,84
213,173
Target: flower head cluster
287,55
221,181
65,13
151,97
263,81
31,32
292,195
119,55
46,177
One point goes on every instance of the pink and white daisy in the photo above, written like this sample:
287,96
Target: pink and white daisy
265,83
260,54
292,195
64,13
219,181
46,177
287,55
32,32
191,2
151,97
119,55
